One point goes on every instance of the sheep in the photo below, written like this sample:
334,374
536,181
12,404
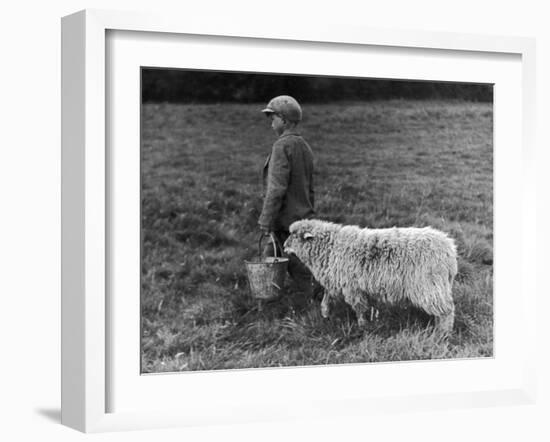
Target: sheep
391,265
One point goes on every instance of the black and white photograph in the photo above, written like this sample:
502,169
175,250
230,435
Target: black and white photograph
293,220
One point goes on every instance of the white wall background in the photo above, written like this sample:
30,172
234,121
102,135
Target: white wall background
30,215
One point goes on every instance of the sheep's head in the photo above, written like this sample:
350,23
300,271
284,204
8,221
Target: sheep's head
300,239
307,239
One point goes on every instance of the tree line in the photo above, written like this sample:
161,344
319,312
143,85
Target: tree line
192,86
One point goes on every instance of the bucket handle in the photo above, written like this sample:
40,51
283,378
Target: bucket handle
274,241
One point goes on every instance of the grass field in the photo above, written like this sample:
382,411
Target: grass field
378,164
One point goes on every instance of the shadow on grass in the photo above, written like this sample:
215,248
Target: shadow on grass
383,321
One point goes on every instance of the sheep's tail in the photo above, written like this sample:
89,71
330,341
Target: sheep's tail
437,298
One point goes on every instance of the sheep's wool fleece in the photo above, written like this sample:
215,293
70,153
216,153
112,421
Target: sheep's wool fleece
391,265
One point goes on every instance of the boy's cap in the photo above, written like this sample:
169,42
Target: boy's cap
285,106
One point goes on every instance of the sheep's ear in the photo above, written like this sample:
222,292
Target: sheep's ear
308,235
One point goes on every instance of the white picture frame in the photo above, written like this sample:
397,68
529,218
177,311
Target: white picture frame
86,205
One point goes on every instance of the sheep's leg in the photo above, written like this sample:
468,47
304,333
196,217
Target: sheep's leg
445,322
374,312
360,312
325,305
359,304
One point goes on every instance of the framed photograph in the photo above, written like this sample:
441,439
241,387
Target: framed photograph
258,222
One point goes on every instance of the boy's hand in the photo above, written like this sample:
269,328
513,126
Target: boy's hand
265,229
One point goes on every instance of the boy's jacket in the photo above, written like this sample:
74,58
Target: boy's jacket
288,183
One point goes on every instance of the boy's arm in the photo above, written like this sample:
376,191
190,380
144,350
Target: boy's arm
277,184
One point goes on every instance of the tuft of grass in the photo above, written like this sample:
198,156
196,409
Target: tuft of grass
378,164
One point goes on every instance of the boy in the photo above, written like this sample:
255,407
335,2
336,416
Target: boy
288,183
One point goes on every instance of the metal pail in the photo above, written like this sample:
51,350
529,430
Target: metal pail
266,277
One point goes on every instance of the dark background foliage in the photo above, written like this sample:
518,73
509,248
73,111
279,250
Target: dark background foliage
188,86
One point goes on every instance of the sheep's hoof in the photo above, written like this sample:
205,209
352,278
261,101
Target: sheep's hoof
324,312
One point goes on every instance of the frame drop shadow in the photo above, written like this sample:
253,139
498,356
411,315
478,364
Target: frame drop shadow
51,414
